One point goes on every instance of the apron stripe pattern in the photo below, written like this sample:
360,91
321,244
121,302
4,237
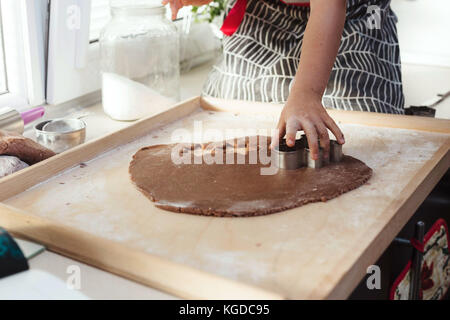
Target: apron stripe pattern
236,15
260,59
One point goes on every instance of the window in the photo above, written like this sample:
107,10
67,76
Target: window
22,53
74,57
49,50
73,62
100,15
3,84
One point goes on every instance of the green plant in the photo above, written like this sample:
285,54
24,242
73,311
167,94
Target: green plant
209,12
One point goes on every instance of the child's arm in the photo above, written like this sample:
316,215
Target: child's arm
304,110
176,5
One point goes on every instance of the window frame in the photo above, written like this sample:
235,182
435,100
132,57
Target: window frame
73,62
24,48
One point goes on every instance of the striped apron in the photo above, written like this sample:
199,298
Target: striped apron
262,46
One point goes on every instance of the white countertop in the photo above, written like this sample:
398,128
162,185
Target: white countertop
95,283
421,83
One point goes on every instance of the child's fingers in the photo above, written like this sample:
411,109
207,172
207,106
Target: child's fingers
195,2
292,126
329,122
313,139
324,139
279,133
175,6
174,9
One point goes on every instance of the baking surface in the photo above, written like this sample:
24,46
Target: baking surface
292,252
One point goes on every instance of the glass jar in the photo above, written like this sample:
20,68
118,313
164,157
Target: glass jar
139,60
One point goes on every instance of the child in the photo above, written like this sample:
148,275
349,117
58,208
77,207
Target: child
309,55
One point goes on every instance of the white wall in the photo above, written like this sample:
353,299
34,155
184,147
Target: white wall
424,31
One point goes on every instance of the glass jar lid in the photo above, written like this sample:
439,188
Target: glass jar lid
137,7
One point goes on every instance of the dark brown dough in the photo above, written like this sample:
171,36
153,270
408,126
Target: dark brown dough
228,190
12,144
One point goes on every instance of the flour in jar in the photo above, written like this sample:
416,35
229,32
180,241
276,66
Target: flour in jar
125,99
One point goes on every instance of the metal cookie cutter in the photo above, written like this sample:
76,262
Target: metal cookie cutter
290,158
316,164
336,154
61,134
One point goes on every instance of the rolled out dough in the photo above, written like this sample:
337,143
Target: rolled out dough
237,190
30,152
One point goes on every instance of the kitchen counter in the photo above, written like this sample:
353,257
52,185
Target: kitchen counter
95,283
421,83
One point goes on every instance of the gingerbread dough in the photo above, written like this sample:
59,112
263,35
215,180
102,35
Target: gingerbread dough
237,190
30,152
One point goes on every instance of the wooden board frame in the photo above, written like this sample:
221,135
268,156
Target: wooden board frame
185,281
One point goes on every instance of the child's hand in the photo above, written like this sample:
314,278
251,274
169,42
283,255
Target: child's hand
304,110
176,5
309,115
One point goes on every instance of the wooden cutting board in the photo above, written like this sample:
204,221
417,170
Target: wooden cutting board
93,213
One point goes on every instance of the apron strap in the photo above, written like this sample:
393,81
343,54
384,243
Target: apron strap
234,17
